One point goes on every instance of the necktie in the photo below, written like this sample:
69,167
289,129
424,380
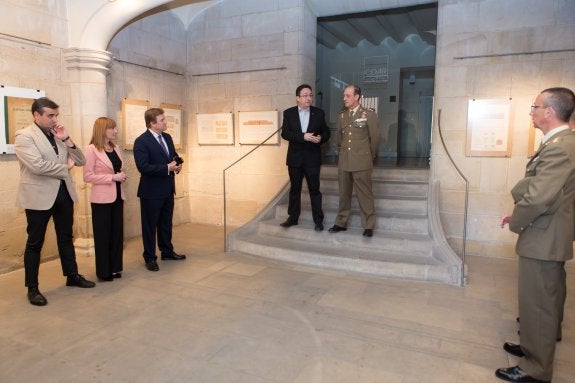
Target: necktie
52,142
163,145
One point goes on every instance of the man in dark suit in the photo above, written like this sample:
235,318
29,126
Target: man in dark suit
305,128
47,191
158,163
543,218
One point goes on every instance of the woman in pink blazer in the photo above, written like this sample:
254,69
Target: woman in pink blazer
104,170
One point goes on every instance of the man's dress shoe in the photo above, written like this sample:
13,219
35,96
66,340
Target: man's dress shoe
152,266
318,227
106,279
78,280
117,275
336,229
173,257
288,222
368,233
516,374
35,297
513,349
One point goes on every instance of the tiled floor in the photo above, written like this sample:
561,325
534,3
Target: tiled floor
219,317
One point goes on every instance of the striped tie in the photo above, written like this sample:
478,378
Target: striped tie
163,145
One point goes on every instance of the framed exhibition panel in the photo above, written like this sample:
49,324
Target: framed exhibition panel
255,127
173,115
15,113
133,123
215,128
488,128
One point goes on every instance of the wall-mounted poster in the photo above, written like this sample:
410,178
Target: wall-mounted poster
133,123
18,115
15,113
257,127
535,136
215,128
173,115
488,128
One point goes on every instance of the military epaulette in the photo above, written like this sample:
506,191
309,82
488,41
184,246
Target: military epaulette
556,139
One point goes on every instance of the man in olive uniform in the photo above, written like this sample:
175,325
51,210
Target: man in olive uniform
358,140
543,218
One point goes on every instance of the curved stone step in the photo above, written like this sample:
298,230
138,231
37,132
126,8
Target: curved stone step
387,222
408,241
386,265
420,245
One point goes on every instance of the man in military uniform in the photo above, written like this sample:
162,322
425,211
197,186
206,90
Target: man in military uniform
543,218
358,140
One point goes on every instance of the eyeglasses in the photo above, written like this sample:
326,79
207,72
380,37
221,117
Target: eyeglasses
533,107
305,95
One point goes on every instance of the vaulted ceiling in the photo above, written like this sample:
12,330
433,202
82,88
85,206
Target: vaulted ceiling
375,27
93,23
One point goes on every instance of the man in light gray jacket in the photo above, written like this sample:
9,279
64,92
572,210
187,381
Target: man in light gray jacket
47,190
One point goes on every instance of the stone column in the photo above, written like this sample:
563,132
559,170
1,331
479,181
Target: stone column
86,73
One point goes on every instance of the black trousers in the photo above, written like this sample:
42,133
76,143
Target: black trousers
156,215
296,176
108,225
63,214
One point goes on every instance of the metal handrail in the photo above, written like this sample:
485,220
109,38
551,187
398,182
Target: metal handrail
466,198
224,176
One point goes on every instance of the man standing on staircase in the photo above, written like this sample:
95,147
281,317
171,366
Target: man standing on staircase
358,140
305,128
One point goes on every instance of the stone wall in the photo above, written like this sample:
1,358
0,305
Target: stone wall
244,56
149,64
508,35
32,60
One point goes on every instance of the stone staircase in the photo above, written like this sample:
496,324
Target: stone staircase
408,241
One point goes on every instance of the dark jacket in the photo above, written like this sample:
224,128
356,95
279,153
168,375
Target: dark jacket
152,163
302,152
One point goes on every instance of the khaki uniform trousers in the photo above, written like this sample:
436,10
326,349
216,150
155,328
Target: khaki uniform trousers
361,182
542,292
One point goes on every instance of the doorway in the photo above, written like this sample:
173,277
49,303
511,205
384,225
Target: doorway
414,118
390,55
